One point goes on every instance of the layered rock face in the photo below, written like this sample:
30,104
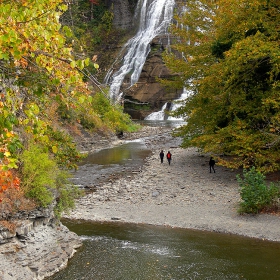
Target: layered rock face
37,247
148,89
123,12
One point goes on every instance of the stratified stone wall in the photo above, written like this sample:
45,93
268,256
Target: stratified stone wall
37,247
148,89
25,222
123,13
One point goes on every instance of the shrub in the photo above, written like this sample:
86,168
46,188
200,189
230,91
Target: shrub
66,154
112,115
254,193
66,194
43,181
38,174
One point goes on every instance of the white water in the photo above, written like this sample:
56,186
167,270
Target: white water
155,17
161,115
157,115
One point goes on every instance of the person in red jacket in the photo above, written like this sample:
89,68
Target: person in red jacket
168,156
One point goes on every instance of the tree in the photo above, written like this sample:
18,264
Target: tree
42,87
37,71
231,62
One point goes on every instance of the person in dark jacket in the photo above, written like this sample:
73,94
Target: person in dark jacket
211,164
161,155
168,156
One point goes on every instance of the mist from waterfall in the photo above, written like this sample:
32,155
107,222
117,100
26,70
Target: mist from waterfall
155,17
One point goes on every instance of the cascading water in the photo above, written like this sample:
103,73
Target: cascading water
155,17
161,115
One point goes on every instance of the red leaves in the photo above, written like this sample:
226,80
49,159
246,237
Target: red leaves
94,2
8,180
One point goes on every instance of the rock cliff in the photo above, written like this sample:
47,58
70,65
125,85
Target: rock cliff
123,11
36,247
148,89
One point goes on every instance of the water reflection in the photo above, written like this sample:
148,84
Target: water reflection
123,159
128,153
123,251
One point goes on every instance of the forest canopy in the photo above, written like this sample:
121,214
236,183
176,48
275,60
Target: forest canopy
227,53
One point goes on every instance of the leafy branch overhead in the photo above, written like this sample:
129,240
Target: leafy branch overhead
231,63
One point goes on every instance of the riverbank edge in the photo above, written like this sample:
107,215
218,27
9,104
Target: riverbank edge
39,246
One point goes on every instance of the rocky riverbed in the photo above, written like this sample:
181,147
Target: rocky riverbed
183,194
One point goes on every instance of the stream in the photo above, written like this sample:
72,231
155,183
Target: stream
127,251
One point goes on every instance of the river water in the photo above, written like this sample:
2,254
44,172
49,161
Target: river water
130,252
110,163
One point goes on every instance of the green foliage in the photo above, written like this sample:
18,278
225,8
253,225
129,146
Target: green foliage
43,181
231,62
37,70
99,114
254,193
63,148
111,114
89,24
101,104
39,174
67,193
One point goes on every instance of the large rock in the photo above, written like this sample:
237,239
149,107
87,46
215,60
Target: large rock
148,90
34,245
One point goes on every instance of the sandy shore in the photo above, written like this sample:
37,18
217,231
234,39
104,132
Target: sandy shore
183,195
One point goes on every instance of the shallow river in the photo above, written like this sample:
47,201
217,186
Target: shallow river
126,252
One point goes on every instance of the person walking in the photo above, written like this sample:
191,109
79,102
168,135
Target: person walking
211,164
161,155
168,156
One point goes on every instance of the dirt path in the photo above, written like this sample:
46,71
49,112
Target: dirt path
183,194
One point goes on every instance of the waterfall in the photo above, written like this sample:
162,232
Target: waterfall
161,115
155,17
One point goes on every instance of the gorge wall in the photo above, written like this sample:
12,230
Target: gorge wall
148,90
123,11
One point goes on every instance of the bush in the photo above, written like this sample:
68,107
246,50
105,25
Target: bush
38,175
66,194
112,115
43,181
254,193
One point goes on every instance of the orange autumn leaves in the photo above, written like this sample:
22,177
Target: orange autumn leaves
8,180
